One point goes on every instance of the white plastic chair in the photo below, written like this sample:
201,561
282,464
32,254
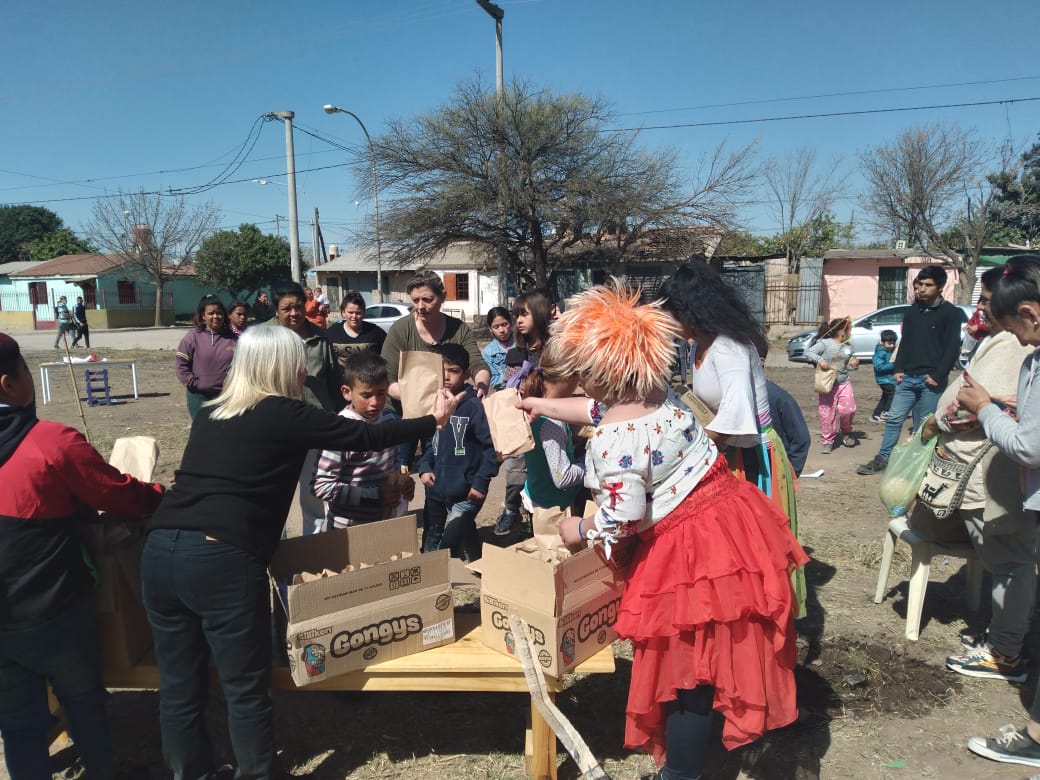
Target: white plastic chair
921,553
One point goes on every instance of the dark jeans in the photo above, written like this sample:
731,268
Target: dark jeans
205,598
64,651
913,396
82,332
687,731
885,403
451,527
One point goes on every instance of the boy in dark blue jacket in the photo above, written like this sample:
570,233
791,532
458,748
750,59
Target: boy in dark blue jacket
884,368
458,466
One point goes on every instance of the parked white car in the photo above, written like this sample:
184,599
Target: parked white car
866,331
386,314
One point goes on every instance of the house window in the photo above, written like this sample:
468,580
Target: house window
456,287
89,296
127,292
37,293
891,286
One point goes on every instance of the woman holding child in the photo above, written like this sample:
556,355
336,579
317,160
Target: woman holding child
209,544
708,602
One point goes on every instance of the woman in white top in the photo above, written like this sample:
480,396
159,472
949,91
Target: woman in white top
727,376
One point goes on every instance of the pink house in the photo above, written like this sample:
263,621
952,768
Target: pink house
858,281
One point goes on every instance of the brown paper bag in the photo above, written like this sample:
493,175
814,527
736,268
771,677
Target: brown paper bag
546,526
510,430
421,375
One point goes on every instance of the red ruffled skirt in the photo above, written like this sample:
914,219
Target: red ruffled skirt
708,601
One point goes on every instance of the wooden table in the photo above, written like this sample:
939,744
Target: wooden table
45,372
465,666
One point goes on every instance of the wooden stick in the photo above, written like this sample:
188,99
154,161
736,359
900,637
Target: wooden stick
567,734
72,376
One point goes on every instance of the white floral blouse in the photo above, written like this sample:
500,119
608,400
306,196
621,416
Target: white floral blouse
641,469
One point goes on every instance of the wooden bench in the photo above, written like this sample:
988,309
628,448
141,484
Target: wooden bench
465,666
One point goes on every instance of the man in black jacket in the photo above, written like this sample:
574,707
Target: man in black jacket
928,350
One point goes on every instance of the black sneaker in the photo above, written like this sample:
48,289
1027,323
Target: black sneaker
1011,747
875,466
506,521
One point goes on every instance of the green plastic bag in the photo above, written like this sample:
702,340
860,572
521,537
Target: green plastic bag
906,468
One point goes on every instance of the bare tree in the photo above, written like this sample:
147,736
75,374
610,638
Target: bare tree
930,187
802,193
539,178
153,236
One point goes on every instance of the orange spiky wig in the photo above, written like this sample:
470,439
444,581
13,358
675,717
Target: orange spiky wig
612,340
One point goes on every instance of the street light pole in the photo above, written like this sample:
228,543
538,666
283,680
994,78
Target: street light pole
496,13
290,165
331,109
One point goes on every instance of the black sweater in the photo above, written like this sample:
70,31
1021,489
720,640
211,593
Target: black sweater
931,341
237,476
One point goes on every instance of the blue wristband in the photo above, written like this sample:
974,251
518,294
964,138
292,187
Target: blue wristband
580,521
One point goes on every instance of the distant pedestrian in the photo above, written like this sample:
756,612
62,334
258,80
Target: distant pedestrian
63,318
837,406
928,351
884,368
262,309
79,317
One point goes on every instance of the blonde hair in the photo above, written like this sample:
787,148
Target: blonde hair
612,340
268,361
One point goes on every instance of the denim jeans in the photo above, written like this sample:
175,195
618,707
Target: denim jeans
451,527
913,396
64,651
206,599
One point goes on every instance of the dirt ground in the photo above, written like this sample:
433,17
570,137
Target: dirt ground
874,705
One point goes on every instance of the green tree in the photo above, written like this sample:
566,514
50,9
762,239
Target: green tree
20,226
57,243
240,261
1017,202
154,237
540,179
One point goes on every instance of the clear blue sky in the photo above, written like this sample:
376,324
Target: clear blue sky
117,94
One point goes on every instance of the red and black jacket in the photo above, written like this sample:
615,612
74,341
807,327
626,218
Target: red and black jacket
49,476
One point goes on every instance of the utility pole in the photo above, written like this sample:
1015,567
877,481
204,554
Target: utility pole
290,166
496,13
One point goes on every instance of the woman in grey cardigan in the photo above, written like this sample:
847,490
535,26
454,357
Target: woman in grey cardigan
1016,305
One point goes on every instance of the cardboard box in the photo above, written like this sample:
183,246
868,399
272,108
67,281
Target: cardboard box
387,610
122,622
570,605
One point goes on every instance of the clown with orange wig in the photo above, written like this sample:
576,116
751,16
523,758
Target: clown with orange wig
708,602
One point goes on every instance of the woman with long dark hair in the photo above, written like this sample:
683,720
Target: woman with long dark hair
727,375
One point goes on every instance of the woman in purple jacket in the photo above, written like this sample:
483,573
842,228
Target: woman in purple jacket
204,354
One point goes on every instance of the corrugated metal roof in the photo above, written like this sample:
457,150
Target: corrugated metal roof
7,269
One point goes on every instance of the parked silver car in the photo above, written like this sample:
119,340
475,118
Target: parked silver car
386,314
866,331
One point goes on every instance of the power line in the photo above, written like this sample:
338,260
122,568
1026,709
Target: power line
880,91
860,112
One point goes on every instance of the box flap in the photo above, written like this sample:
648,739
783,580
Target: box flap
339,547
357,588
369,541
518,578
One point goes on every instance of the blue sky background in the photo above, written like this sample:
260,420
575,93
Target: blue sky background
117,94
